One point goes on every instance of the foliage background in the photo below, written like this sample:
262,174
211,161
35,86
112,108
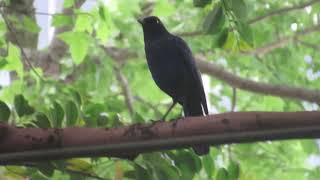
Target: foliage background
99,78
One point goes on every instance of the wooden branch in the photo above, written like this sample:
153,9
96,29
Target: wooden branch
283,10
314,46
19,145
261,51
233,80
123,82
218,72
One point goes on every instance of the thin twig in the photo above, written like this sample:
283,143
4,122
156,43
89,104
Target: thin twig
283,10
281,42
150,105
19,45
269,68
218,72
310,45
189,34
125,89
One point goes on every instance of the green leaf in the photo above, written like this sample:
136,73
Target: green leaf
201,3
208,164
233,170
309,146
161,167
92,113
102,121
42,120
56,114
22,107
187,162
239,8
222,174
273,103
163,8
140,172
231,42
78,43
14,61
71,113
227,4
77,177
103,31
4,112
18,170
104,25
3,63
60,20
102,12
68,3
138,118
214,21
46,168
30,25
76,96
245,32
220,39
80,165
130,174
84,23
244,46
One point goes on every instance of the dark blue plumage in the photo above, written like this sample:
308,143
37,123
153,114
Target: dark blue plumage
174,70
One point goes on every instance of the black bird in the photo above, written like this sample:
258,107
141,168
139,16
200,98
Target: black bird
174,70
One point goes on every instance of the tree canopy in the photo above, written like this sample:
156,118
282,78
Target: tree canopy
255,55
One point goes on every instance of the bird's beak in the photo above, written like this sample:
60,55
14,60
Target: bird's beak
140,20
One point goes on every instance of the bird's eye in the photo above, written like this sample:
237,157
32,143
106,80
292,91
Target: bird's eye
157,21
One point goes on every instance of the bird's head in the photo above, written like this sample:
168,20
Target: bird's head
152,27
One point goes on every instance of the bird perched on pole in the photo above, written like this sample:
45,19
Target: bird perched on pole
173,68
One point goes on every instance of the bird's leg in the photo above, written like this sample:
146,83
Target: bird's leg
168,111
165,115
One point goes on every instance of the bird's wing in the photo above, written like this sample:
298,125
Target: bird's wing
184,51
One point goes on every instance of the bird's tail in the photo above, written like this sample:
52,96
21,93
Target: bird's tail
195,108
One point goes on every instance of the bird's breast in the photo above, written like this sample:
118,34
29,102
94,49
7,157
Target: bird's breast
166,67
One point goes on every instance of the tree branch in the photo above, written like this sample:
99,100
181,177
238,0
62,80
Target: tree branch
258,87
149,105
35,144
218,72
314,46
261,51
123,82
283,10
